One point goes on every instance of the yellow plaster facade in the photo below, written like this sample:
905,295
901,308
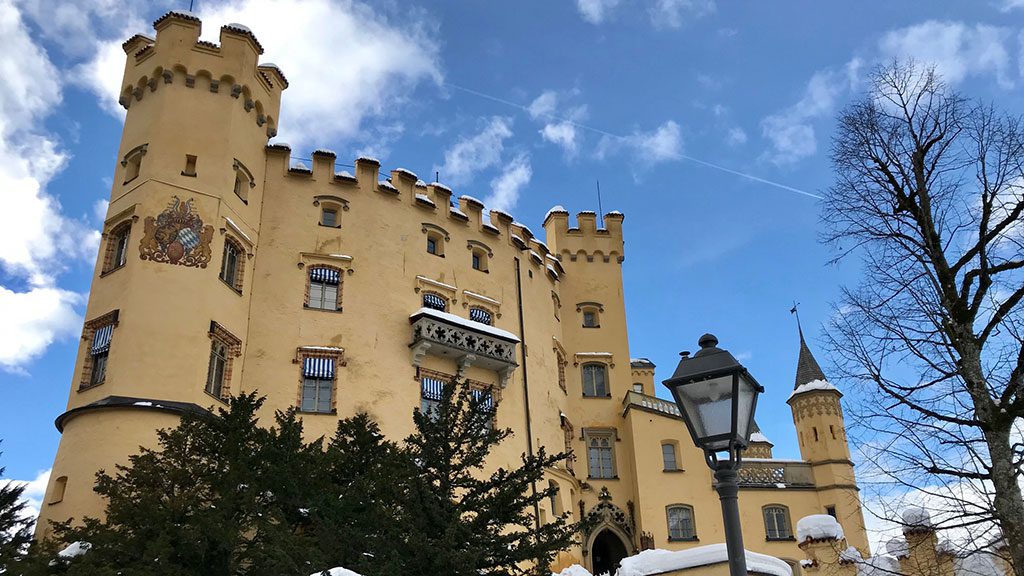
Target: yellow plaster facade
227,268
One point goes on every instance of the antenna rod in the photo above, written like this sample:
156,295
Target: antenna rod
600,209
190,3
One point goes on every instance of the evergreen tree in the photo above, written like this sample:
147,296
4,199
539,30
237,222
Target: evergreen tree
220,496
467,523
359,515
15,524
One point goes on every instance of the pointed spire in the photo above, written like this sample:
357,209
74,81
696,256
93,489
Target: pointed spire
807,368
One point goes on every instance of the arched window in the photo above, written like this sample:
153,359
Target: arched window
60,485
554,499
479,259
324,288
776,522
243,181
435,244
560,360
600,453
481,315
681,525
132,162
595,380
116,254
668,456
231,265
435,301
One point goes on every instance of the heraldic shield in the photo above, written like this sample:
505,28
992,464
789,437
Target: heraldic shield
177,236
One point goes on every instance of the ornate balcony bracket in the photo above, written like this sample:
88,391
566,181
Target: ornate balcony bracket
463,341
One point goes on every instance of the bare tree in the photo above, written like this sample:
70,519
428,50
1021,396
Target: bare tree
929,192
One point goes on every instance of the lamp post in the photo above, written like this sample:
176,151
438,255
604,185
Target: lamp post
717,396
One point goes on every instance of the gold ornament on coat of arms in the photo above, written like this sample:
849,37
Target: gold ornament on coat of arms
177,236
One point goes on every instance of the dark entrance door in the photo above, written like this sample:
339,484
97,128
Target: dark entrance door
607,551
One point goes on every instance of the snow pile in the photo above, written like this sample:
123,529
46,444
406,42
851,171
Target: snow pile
460,321
658,561
914,517
759,437
977,564
558,208
425,199
298,165
238,26
574,570
898,547
851,555
813,385
818,527
74,549
878,566
335,572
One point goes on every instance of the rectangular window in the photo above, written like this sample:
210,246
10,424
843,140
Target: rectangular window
590,319
776,523
218,369
600,454
680,523
595,380
668,456
431,245
318,385
431,391
831,511
323,288
229,266
485,403
638,388
190,165
329,217
99,351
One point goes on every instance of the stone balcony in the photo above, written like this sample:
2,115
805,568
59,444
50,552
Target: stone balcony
464,341
754,472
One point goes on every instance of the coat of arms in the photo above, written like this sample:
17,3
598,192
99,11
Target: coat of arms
177,236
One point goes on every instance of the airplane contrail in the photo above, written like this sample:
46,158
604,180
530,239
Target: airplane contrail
621,137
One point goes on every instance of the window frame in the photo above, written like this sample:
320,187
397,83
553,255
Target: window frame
334,211
609,436
692,536
428,294
583,380
232,347
781,536
319,383
244,181
95,364
238,270
115,254
478,310
132,162
674,450
312,286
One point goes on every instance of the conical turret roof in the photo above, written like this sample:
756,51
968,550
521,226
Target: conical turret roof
807,368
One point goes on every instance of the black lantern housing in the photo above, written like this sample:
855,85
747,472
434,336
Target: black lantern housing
717,398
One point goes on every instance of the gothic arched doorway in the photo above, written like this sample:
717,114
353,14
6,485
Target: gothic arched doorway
606,552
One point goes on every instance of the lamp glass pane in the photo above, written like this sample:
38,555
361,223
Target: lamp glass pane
708,404
747,393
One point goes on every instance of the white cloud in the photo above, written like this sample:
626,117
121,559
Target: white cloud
595,11
477,152
736,136
348,62
672,13
1008,5
506,187
663,144
99,209
790,132
35,490
956,49
563,134
36,240
543,105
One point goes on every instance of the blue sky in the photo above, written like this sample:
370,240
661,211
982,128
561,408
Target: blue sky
524,104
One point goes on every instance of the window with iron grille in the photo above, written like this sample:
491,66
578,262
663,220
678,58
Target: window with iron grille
680,523
323,288
317,385
595,380
776,523
480,315
435,301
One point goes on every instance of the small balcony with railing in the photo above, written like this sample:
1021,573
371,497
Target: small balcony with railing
754,472
466,342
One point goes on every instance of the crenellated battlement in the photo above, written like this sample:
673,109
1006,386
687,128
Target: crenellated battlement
232,68
495,227
586,241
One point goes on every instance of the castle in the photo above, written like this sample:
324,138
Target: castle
225,267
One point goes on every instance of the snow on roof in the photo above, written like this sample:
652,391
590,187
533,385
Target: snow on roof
297,165
75,549
660,561
433,282
851,554
321,349
407,172
471,199
977,564
552,270
471,324
813,385
759,437
185,13
602,354
425,199
778,460
441,186
481,297
386,184
327,151
818,527
367,159
574,570
878,565
270,65
455,210
614,213
238,26
237,230
421,184
344,174
281,145
336,572
898,547
915,517
945,547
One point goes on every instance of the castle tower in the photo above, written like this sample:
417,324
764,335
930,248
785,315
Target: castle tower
172,278
818,416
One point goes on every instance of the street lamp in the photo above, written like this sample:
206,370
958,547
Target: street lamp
717,396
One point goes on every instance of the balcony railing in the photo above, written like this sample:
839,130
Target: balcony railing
466,342
652,403
775,473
